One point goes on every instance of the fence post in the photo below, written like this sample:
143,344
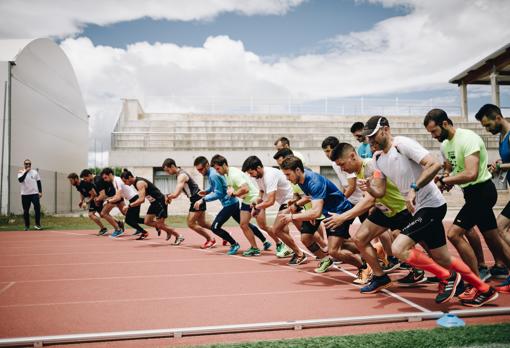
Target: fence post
56,191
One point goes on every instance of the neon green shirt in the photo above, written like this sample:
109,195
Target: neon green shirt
236,178
392,202
464,143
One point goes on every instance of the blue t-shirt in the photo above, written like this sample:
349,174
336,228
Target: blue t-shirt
504,152
364,151
318,187
218,189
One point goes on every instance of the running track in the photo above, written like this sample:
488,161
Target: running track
63,282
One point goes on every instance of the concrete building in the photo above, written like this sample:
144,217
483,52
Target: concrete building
44,119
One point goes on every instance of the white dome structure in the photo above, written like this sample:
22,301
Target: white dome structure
43,118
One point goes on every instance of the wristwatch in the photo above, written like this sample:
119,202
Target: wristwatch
415,187
441,180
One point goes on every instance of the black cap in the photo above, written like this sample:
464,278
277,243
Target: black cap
374,124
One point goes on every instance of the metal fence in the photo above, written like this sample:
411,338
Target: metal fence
58,194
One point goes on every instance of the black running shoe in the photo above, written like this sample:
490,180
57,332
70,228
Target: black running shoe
393,264
143,235
404,265
481,298
297,260
447,287
415,276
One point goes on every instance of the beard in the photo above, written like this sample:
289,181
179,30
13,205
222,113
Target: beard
443,136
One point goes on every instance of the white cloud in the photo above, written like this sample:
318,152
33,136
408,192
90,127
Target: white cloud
62,18
417,51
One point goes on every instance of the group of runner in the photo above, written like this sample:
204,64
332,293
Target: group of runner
394,187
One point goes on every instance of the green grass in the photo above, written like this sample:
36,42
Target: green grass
50,222
468,336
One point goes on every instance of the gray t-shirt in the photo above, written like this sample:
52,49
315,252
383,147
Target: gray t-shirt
402,165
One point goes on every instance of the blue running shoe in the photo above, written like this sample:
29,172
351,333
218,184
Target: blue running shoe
376,284
116,233
234,249
267,245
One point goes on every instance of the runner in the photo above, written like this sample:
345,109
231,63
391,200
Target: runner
111,197
363,150
390,212
158,209
132,214
412,168
240,185
196,219
465,153
491,118
88,192
326,199
284,143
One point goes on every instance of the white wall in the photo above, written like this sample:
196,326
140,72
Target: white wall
4,143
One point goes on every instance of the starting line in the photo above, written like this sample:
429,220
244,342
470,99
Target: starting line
39,341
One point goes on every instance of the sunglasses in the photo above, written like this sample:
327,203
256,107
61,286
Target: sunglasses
28,164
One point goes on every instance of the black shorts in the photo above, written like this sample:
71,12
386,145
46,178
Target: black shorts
363,216
427,226
246,207
158,208
506,211
310,227
342,231
283,207
477,211
192,200
396,222
95,207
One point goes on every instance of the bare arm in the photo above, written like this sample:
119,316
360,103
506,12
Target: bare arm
351,188
141,187
430,169
313,213
182,179
271,198
470,172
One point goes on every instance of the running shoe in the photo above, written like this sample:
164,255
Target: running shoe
324,265
415,276
297,260
102,232
209,244
447,287
504,287
481,298
392,264
224,242
121,225
279,247
499,272
27,228
159,231
116,233
252,252
363,276
404,265
178,240
143,235
376,284
234,248
285,252
484,273
468,294
38,227
267,245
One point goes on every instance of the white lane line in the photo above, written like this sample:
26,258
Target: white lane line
165,275
262,293
107,263
386,291
6,287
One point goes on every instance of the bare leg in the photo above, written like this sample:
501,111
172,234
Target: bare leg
96,219
105,214
193,221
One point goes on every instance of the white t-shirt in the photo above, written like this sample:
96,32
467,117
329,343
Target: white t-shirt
274,180
402,165
29,185
357,195
127,191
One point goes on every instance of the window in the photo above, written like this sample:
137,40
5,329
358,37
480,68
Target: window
164,182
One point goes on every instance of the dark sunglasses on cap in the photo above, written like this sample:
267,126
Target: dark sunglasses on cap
28,164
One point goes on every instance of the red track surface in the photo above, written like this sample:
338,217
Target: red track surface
61,282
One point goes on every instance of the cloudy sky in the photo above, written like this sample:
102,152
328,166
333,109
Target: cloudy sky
162,50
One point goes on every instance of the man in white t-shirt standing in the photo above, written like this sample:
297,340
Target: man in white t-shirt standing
31,192
412,169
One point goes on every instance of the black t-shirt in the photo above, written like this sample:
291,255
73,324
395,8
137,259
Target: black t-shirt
84,188
100,184
151,189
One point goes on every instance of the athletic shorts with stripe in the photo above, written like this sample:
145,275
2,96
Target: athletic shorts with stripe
396,222
426,226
